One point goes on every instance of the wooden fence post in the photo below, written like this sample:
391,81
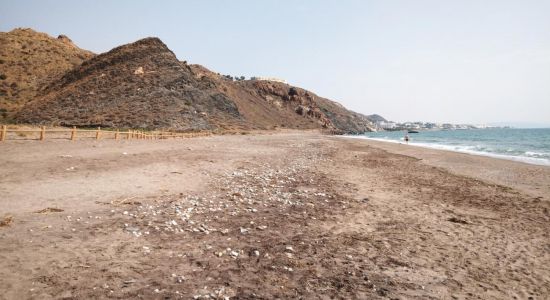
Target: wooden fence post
43,133
3,133
98,133
73,133
116,135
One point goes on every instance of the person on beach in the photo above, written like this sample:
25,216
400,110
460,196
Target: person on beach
406,138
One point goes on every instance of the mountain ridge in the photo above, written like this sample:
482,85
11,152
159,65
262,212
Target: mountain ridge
143,85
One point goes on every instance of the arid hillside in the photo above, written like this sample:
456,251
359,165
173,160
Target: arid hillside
144,85
138,85
288,102
30,60
269,104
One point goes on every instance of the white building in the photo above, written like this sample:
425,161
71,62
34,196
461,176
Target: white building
269,79
387,125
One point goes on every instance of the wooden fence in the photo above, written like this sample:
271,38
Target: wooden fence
74,133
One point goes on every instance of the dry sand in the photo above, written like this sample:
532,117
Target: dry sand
289,215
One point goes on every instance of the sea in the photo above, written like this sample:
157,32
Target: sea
519,144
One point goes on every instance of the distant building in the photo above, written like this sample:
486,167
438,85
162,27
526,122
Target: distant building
387,125
269,79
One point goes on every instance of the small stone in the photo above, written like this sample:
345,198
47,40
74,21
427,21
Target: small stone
132,229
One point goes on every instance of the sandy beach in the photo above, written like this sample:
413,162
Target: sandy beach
281,215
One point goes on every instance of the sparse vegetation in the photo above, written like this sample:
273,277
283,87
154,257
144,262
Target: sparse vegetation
101,92
29,73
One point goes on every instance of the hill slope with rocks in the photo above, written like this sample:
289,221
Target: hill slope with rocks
31,60
294,101
144,85
139,85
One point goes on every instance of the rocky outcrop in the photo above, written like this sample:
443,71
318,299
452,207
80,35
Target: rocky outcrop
344,120
317,112
281,95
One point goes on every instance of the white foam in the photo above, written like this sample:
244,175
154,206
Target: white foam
468,150
537,154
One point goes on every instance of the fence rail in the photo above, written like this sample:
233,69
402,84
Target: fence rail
73,134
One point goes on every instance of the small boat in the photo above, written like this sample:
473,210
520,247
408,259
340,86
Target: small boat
413,131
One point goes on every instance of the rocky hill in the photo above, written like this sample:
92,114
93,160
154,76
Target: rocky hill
139,85
29,61
267,104
376,118
290,102
143,85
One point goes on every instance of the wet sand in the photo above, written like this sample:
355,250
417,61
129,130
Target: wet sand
286,215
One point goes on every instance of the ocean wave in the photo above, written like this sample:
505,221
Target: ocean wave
537,154
530,157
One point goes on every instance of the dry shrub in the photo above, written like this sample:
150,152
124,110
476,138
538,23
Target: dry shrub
23,134
6,221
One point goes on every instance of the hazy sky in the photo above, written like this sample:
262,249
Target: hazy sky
456,61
